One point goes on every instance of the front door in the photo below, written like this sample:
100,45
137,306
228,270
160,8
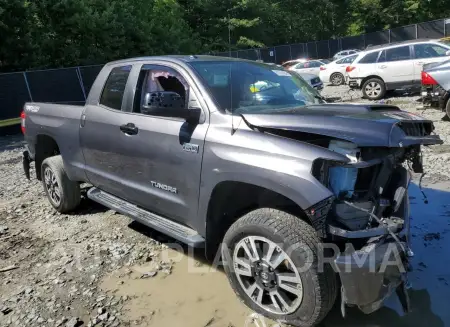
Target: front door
396,67
426,53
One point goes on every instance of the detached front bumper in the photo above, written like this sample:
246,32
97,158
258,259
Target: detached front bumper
354,83
372,274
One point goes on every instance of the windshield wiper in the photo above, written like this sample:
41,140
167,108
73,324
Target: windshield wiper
319,97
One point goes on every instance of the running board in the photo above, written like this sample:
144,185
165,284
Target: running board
161,224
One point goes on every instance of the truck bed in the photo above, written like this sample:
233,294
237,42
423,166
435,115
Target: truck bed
60,122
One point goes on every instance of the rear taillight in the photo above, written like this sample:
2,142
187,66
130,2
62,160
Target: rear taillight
323,68
349,69
428,80
22,122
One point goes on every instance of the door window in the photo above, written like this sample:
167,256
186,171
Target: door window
313,64
395,54
112,94
347,60
423,51
158,88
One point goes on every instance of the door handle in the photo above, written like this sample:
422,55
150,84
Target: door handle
129,129
382,66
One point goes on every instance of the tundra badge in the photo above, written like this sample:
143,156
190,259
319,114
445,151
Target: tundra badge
189,147
164,187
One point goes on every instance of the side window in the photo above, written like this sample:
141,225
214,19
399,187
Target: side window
314,64
112,94
349,60
398,54
160,88
424,50
369,58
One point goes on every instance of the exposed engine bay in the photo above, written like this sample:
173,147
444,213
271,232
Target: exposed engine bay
376,182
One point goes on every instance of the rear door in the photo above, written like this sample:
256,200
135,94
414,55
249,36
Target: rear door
396,67
425,53
101,138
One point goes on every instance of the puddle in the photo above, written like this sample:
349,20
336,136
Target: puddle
193,295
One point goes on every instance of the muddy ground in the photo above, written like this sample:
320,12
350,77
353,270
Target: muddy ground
97,268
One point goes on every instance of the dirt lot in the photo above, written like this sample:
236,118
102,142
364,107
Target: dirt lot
96,268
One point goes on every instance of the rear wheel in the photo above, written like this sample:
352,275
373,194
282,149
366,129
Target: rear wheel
337,79
64,194
374,89
271,260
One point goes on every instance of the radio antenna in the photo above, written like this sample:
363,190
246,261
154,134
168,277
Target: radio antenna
231,81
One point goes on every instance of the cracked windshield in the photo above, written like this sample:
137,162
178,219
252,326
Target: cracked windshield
245,87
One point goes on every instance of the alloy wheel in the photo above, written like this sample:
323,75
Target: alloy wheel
52,186
373,89
336,79
267,275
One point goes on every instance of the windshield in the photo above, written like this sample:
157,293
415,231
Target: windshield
250,87
446,42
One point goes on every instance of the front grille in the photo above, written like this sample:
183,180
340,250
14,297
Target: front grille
417,129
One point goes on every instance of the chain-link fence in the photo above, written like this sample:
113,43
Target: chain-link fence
65,85
72,85
327,49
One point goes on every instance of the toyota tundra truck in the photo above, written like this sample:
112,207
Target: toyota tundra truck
302,200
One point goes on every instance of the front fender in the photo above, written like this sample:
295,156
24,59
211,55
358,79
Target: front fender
278,164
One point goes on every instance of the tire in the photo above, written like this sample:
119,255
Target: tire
447,108
58,185
337,79
317,290
374,89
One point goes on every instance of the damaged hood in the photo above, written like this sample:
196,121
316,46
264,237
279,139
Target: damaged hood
362,124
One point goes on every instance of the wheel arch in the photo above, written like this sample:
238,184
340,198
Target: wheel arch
232,199
365,79
46,146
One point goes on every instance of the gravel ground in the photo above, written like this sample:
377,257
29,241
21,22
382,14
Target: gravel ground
56,270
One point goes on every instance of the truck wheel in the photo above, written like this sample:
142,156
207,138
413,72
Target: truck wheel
271,260
337,79
447,108
63,194
374,89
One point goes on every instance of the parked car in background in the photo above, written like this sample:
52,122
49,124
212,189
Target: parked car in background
395,66
345,53
436,86
293,62
335,72
310,66
312,80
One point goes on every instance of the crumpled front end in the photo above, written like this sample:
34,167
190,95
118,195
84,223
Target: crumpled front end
371,225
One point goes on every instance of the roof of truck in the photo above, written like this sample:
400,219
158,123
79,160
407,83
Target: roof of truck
185,58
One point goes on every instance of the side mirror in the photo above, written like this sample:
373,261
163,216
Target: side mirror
447,53
169,104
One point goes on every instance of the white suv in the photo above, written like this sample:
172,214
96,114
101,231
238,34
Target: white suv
395,66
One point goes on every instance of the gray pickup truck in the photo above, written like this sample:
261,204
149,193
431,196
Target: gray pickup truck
245,158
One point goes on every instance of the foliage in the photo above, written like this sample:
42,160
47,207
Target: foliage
56,33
